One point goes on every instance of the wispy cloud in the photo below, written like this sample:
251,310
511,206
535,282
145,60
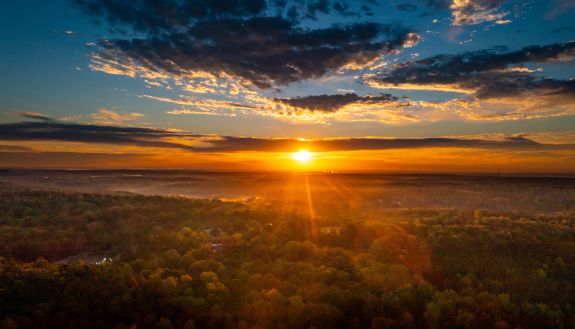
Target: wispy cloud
105,116
35,116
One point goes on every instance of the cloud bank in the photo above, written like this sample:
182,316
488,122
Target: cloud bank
187,141
241,39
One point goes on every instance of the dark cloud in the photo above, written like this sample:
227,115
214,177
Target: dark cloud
332,103
39,131
158,138
233,144
265,51
159,16
35,116
519,84
167,15
241,40
489,73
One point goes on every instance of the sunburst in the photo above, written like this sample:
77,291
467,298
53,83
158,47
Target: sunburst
302,156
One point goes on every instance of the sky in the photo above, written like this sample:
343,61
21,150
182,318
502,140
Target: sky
365,85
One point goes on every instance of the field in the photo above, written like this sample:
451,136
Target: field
180,249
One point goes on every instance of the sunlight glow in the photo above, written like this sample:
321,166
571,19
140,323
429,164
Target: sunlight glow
302,156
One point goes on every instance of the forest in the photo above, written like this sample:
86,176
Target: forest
72,259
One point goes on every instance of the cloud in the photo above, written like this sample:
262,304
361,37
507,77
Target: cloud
231,144
187,141
158,16
67,33
34,159
200,112
485,73
96,134
264,51
239,39
470,12
496,83
315,108
206,104
385,108
14,148
333,103
106,116
35,116
162,16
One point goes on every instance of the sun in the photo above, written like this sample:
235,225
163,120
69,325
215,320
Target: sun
302,156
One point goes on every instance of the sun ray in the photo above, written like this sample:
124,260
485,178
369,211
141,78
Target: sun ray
310,208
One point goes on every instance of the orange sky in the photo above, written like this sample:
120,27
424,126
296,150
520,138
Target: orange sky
425,159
